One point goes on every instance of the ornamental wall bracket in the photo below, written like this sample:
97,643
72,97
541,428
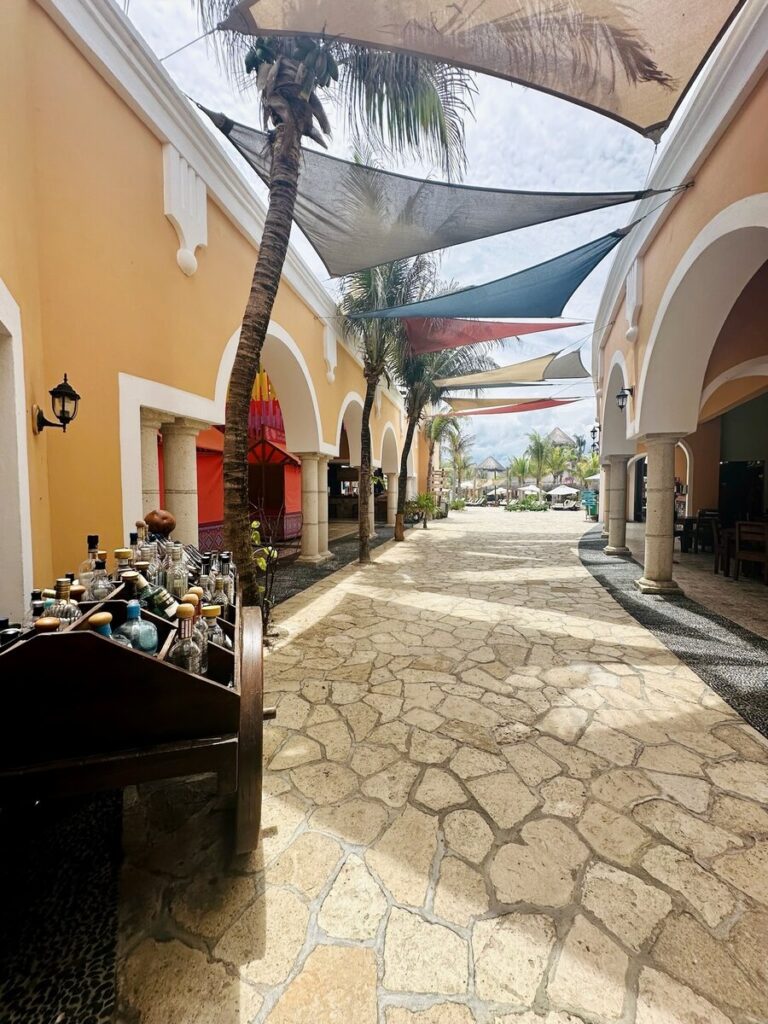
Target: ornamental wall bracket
330,353
634,298
186,207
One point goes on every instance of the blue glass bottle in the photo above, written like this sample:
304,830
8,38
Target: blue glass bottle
141,633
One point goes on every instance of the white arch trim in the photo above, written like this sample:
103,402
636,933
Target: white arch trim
15,509
135,393
389,458
352,398
718,284
751,368
615,433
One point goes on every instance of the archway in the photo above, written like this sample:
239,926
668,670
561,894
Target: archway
613,436
389,459
288,372
701,293
344,468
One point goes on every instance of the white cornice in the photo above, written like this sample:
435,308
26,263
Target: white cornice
733,71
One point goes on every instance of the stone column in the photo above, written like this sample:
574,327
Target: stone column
322,507
309,507
660,517
617,504
151,421
605,497
410,488
180,462
391,498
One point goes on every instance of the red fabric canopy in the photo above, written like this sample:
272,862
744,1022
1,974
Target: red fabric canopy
532,406
264,452
432,334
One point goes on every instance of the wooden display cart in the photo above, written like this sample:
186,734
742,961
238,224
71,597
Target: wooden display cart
83,713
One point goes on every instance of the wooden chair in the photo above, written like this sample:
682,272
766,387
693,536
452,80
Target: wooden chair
752,546
722,554
704,537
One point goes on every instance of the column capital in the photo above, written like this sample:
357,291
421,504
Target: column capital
182,425
616,460
658,439
154,419
309,456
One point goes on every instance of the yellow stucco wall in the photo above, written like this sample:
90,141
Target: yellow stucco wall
90,258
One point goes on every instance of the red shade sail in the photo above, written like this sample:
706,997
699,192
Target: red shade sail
532,406
433,334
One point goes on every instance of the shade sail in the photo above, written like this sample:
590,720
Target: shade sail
633,63
542,290
357,216
502,408
562,365
463,404
427,334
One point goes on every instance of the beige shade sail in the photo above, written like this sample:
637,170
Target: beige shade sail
553,366
632,61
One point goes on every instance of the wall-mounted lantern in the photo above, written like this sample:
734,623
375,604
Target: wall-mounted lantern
64,402
595,435
623,396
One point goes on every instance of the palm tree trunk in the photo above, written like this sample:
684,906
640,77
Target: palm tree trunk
402,480
264,285
364,498
430,463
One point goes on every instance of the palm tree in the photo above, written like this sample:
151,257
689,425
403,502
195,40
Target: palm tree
402,104
377,340
437,429
520,466
460,444
587,467
557,461
579,445
417,375
538,452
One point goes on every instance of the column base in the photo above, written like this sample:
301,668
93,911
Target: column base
669,588
314,559
623,551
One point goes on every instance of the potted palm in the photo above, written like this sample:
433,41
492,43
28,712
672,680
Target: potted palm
426,505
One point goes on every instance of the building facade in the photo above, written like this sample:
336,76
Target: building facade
127,243
685,309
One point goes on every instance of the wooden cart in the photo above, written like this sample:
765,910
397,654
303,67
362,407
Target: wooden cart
83,713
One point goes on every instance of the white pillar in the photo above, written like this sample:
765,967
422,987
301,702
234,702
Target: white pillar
180,464
322,507
605,496
151,422
391,498
309,507
660,517
617,522
410,488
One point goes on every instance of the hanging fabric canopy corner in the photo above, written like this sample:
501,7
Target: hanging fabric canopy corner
553,366
435,334
506,406
633,64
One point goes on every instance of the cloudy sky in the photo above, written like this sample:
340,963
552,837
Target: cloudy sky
519,139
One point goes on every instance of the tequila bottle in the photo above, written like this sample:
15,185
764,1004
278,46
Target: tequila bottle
185,652
130,580
85,572
123,562
101,585
101,623
229,580
199,631
176,574
220,594
216,634
141,633
133,544
34,612
62,607
155,599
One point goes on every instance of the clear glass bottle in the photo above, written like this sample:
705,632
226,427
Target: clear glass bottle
216,634
123,562
101,623
85,571
229,580
220,594
101,585
62,607
185,651
130,581
155,599
176,574
34,612
141,633
133,544
199,631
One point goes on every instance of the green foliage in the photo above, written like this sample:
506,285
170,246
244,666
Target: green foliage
426,504
266,559
538,452
529,503
458,504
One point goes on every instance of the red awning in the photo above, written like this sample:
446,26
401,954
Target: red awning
263,452
432,334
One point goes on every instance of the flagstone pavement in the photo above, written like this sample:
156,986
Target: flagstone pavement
491,797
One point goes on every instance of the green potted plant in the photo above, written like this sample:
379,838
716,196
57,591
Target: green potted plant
427,506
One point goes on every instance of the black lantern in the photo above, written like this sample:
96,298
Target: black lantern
595,434
64,402
622,396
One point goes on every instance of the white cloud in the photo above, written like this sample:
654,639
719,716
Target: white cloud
519,139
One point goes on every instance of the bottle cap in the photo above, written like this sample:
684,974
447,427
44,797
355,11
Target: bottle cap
4,622
141,567
133,538
62,589
77,593
101,563
133,610
93,541
97,619
185,611
140,525
70,576
129,575
190,598
176,553
212,611
121,554
47,624
197,590
36,595
38,608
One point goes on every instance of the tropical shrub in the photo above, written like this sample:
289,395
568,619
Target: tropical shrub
458,504
529,503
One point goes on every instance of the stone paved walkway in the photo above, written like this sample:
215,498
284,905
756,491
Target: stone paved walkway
492,798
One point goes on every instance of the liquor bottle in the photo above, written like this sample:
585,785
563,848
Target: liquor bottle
185,651
129,580
220,594
71,577
216,634
101,585
133,544
47,624
155,599
229,580
101,623
199,631
123,562
34,612
77,593
62,607
85,571
176,574
141,633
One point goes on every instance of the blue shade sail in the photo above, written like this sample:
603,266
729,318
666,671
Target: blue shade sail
358,216
542,290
